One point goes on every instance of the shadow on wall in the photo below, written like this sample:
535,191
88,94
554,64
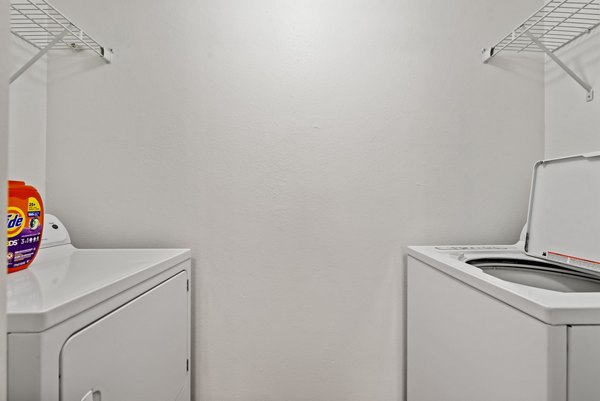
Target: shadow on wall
524,66
73,63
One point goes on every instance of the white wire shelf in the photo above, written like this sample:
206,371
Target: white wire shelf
556,24
41,25
552,27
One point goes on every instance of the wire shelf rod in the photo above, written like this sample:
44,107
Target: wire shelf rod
67,27
540,19
41,25
561,22
552,27
31,21
34,16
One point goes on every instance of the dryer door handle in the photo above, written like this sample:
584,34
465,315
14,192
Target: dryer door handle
92,395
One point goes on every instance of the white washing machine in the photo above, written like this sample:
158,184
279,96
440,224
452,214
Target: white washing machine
99,325
518,322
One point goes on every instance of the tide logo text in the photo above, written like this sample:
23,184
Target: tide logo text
15,221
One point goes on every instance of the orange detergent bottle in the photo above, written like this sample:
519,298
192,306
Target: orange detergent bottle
25,222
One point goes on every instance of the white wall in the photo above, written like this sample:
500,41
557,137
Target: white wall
4,72
27,140
22,137
572,124
297,148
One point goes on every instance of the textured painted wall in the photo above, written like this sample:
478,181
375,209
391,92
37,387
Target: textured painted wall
4,71
572,124
27,105
297,148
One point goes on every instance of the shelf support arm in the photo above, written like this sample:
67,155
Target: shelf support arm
590,91
39,55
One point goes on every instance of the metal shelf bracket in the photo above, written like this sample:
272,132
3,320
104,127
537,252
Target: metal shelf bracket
588,88
39,55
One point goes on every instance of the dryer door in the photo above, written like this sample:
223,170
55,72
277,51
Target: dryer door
137,352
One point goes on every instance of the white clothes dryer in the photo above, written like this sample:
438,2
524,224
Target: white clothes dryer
99,324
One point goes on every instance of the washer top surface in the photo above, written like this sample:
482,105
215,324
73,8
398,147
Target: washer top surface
64,281
550,306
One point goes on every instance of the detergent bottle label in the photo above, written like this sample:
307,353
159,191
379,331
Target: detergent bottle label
33,208
23,229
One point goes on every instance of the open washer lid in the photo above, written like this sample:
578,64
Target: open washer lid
563,222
